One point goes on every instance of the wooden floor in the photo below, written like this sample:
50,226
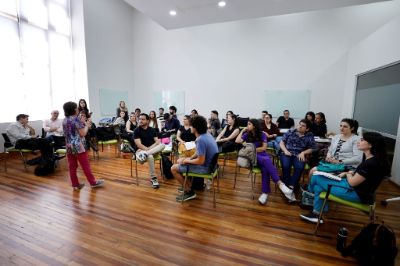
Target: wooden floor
44,222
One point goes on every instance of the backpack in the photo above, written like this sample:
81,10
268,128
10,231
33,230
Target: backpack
247,156
166,166
374,245
45,167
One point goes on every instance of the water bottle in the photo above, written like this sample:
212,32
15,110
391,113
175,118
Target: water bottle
341,239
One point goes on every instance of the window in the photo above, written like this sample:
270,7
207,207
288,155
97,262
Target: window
36,63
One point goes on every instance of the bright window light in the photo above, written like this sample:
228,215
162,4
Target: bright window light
172,13
221,3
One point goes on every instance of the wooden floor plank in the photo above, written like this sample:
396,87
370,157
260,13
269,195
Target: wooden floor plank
44,222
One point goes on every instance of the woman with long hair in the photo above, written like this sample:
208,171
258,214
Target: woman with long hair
253,134
122,108
82,107
153,119
75,130
356,186
272,131
226,138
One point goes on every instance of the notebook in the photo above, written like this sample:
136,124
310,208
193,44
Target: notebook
328,175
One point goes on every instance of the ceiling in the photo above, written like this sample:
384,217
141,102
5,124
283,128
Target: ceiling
200,12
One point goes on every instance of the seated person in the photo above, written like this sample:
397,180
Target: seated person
120,121
185,135
171,125
54,130
272,132
343,148
263,114
319,128
130,127
358,186
253,134
122,108
22,136
172,111
225,120
295,145
213,123
226,139
148,144
91,137
194,113
153,120
310,116
285,122
200,162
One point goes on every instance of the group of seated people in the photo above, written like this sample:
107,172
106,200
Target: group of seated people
362,161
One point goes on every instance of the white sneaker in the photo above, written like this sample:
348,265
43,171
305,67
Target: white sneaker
291,197
284,188
263,198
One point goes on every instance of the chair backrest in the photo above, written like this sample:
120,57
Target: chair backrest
7,141
214,163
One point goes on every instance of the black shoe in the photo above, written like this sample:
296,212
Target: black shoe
186,196
311,217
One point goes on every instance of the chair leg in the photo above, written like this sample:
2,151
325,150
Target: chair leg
213,188
252,184
137,174
234,181
23,159
320,215
372,213
184,187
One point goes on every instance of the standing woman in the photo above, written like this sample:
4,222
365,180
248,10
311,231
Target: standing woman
122,108
226,139
253,134
75,131
153,120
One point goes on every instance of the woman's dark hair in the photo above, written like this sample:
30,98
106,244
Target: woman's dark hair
255,135
69,108
270,116
312,114
194,111
199,123
352,123
322,115
138,110
187,117
84,109
307,122
378,149
235,121
230,112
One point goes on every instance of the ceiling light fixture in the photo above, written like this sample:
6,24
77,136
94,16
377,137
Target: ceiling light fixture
221,3
172,13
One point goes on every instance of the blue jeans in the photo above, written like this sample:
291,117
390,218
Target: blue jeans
320,184
287,162
273,144
193,168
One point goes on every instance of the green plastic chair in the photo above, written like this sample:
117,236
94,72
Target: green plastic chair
226,156
9,148
368,209
214,174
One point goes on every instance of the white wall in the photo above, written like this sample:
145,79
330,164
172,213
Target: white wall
378,49
108,39
229,65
